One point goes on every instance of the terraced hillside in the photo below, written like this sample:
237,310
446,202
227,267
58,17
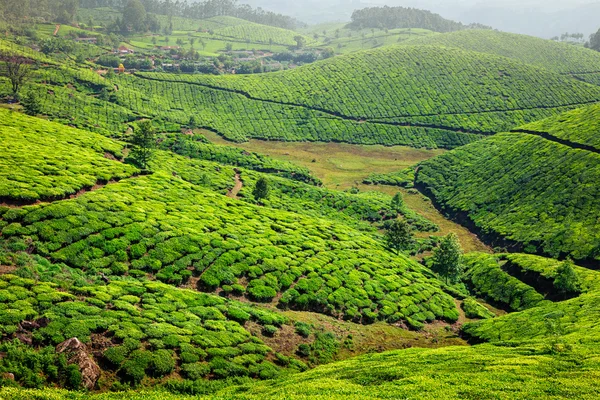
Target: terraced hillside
242,30
548,350
121,250
557,57
408,86
545,200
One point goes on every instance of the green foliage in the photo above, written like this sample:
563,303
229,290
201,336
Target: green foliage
44,160
397,89
473,309
446,260
399,236
550,55
525,201
566,280
404,178
261,189
162,363
486,278
31,104
578,126
143,143
195,147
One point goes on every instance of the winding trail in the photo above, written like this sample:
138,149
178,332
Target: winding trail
237,187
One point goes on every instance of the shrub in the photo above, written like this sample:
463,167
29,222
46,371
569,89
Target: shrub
195,371
162,363
73,377
269,330
262,293
303,329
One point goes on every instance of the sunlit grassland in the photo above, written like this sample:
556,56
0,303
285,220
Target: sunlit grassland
342,166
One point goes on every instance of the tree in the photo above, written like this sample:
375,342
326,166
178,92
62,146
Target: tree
31,104
566,279
261,189
397,203
300,41
399,235
134,16
447,258
143,143
594,42
17,69
193,123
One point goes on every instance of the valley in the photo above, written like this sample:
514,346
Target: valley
210,200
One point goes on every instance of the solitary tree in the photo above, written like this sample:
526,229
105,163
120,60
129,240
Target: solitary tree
594,42
143,143
399,236
261,190
447,258
300,41
566,280
31,104
193,123
397,202
134,15
16,68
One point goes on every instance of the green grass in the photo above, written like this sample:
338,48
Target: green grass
330,160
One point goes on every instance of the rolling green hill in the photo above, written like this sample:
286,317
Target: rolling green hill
544,200
408,86
546,351
580,126
177,280
557,57
121,250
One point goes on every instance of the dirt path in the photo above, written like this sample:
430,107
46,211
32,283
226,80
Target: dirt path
237,187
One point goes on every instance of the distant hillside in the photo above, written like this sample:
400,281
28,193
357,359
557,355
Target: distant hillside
558,57
402,17
535,189
430,87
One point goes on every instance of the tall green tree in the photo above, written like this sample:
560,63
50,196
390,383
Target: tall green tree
31,104
399,235
397,203
143,143
447,259
261,189
134,16
594,42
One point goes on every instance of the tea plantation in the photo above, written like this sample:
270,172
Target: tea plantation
562,58
208,271
545,200
423,85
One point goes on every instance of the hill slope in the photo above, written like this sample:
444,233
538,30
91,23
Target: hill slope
546,199
417,86
558,57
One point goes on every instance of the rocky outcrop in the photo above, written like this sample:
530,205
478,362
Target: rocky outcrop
77,354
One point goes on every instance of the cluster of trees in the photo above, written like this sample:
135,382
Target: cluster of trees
62,11
204,9
594,42
401,17
569,37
